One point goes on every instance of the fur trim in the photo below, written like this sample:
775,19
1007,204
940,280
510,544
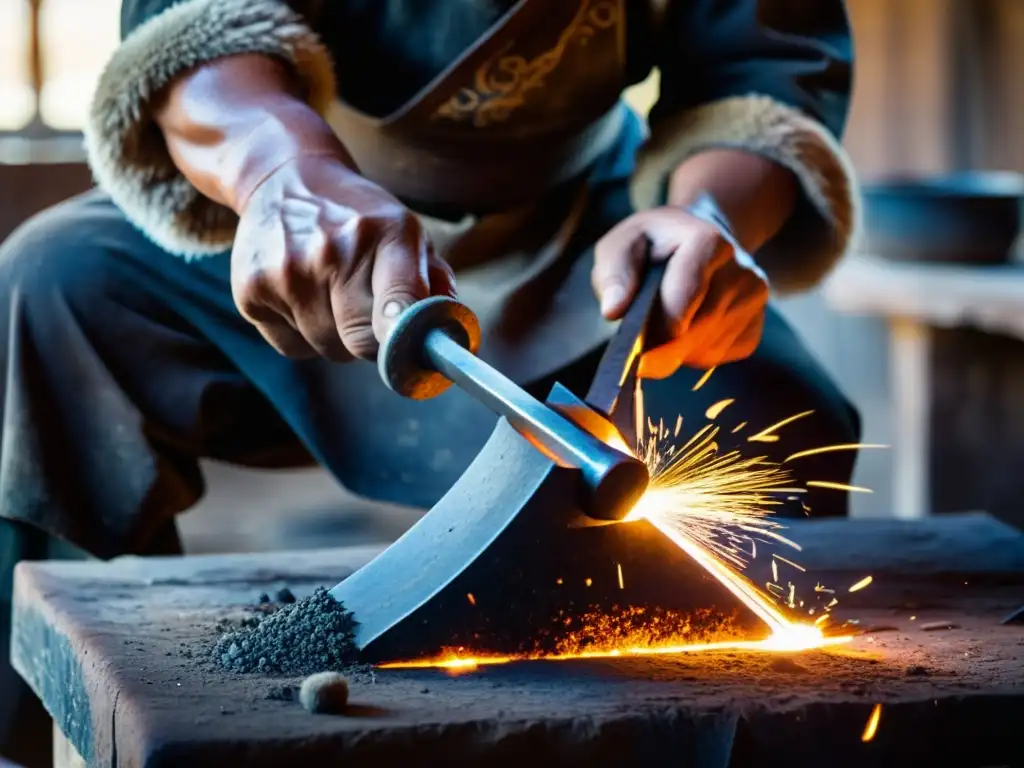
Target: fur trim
826,223
126,149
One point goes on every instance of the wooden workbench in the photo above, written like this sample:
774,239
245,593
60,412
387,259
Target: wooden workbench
915,298
116,652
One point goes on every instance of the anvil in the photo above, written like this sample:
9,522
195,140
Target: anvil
530,533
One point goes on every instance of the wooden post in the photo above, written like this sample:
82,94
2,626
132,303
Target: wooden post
910,365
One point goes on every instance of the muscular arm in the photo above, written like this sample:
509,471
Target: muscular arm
179,53
230,124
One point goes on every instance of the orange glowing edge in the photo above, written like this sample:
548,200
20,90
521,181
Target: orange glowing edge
786,635
774,643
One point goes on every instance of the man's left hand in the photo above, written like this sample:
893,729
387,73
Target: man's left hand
714,303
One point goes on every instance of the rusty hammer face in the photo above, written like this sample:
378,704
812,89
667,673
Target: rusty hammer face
432,346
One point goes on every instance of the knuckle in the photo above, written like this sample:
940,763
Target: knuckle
359,339
360,227
406,222
249,297
286,344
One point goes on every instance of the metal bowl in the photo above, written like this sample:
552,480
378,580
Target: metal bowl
965,218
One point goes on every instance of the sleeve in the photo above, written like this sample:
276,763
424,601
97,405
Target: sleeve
161,39
771,77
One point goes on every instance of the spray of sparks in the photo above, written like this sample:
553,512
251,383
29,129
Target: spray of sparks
715,506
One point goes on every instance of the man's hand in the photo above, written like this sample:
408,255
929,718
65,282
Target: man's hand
713,303
324,261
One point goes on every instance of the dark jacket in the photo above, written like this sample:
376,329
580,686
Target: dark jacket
770,76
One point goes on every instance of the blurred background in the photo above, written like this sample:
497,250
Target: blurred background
931,353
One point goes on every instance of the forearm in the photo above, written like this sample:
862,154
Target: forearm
231,123
756,194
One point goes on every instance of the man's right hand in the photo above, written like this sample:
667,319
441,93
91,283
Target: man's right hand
324,261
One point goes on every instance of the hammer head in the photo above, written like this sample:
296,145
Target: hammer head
622,479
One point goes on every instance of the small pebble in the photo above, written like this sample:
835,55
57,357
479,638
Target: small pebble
917,671
935,626
324,693
264,598
284,595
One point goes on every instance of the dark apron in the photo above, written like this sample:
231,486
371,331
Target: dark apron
494,155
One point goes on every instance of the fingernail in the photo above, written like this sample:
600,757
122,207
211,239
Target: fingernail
392,309
611,298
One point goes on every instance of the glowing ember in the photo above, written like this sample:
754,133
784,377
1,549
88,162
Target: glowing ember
715,410
703,379
768,435
838,486
871,727
861,584
832,449
715,507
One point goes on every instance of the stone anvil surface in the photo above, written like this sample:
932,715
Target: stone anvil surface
118,654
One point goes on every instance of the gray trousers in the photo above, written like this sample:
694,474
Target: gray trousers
124,365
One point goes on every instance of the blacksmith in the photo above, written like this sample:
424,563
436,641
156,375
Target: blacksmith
277,180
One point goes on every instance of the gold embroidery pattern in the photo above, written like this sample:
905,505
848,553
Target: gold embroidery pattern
502,83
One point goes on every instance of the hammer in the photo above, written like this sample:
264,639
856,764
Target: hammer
433,345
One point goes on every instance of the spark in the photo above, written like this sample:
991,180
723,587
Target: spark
739,426
833,448
699,495
638,408
703,379
709,503
472,600
789,562
768,435
838,486
861,584
871,728
714,411
634,352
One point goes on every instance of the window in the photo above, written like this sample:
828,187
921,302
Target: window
51,54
